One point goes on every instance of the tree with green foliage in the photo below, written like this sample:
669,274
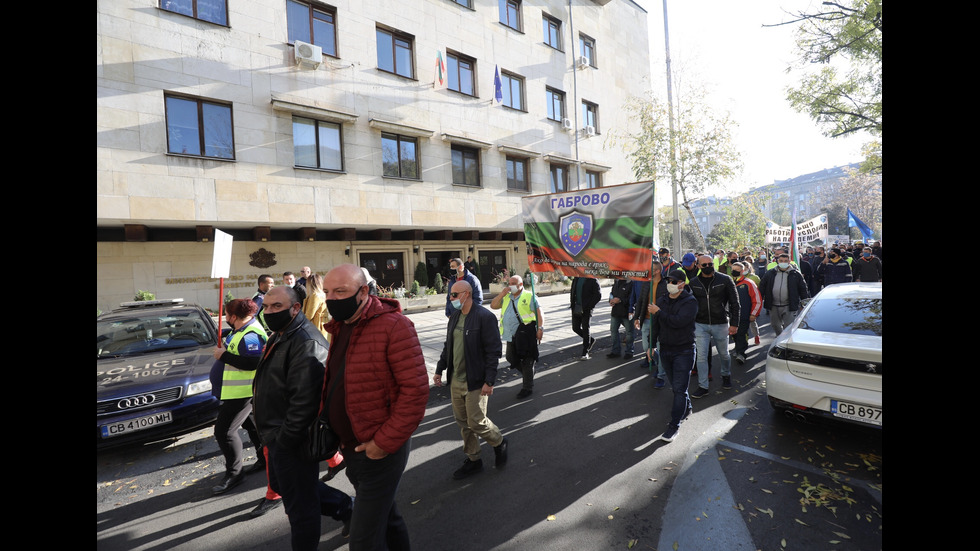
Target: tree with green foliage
744,225
705,157
843,96
422,274
142,295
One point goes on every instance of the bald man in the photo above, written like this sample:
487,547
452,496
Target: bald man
382,389
521,327
470,355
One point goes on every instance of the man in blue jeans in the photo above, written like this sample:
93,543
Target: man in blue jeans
621,300
718,314
672,327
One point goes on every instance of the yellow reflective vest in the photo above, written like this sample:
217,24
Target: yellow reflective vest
237,383
524,308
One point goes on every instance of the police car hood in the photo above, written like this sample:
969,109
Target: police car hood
153,370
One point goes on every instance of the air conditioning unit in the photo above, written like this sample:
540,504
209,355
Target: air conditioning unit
308,55
566,124
590,130
583,62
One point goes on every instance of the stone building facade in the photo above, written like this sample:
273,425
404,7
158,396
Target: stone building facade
318,133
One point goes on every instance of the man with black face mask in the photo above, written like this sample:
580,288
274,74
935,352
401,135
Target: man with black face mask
286,399
382,387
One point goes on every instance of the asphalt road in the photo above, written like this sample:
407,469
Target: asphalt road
586,471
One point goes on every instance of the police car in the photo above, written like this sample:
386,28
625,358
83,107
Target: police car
154,358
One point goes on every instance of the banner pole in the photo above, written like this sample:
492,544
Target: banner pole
654,254
221,306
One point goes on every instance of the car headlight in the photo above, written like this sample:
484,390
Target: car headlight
199,387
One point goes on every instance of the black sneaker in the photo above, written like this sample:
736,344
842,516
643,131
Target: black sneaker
726,382
660,383
669,434
468,468
700,393
500,453
524,393
591,344
628,356
612,355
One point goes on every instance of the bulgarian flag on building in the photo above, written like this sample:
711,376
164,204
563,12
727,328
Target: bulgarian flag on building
603,232
441,76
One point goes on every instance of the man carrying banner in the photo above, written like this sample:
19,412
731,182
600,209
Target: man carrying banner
521,327
584,296
621,300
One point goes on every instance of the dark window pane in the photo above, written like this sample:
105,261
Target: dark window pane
182,130
323,32
330,152
304,142
213,11
386,61
403,58
217,131
389,156
409,168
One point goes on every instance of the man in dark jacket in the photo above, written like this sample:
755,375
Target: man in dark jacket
585,294
834,269
641,319
673,327
461,273
621,301
783,289
286,399
470,355
718,315
867,266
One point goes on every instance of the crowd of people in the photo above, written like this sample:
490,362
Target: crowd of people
329,348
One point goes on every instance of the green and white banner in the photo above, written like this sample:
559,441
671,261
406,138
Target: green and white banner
603,232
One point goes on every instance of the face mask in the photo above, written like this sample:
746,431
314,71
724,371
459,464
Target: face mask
457,304
673,289
708,270
513,289
279,320
783,265
342,309
866,255
736,275
762,257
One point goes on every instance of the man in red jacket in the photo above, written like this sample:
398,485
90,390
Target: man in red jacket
382,389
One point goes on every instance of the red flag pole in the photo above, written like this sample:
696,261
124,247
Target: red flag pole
221,306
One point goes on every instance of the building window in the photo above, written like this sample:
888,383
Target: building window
512,87
395,53
213,11
199,127
559,178
317,144
466,166
462,71
316,25
510,13
465,3
552,32
586,48
590,115
517,176
593,179
556,104
399,156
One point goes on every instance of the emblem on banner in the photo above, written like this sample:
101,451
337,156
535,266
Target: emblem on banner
576,231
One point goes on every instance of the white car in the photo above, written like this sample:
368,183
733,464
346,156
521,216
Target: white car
827,363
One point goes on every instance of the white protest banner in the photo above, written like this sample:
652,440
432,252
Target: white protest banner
813,229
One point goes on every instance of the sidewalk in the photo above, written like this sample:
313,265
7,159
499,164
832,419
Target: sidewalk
558,335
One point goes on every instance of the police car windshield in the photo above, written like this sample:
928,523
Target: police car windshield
140,333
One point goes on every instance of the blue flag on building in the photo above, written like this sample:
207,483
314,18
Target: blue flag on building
853,222
498,93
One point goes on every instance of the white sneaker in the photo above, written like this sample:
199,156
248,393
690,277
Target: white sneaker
586,357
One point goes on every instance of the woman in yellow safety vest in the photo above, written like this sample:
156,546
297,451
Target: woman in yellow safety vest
239,358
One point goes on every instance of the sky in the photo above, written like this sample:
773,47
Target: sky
722,44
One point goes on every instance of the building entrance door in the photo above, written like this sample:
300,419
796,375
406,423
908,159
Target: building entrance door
491,264
437,263
387,268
